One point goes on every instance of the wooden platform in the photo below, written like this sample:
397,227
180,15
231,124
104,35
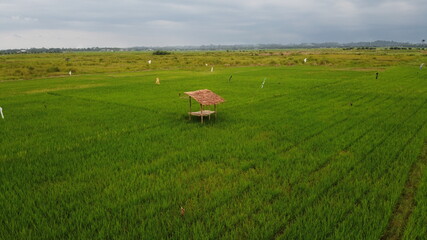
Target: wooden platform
202,113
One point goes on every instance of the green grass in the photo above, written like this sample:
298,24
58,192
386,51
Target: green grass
30,66
323,151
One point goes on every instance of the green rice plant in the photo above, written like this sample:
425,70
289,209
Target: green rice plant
320,152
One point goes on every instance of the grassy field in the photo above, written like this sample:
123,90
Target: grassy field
324,151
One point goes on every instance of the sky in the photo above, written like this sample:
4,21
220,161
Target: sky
156,23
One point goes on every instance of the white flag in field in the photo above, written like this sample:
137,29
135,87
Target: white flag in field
421,66
70,73
149,61
211,69
305,60
1,112
262,85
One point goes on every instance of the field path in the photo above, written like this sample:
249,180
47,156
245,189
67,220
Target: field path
406,203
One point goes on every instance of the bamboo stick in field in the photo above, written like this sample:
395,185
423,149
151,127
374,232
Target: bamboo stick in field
201,113
189,112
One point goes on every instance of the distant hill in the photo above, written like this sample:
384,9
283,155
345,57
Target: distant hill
375,44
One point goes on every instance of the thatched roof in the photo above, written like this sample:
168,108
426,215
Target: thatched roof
205,97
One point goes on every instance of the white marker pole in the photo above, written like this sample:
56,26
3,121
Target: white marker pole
262,85
305,60
421,66
1,112
69,73
211,69
149,61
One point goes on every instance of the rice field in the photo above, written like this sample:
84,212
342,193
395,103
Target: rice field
323,151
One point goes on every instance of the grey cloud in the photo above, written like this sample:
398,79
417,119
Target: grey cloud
170,22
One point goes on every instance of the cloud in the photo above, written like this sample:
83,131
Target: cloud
23,19
39,38
171,22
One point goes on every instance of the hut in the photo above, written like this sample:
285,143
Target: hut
205,98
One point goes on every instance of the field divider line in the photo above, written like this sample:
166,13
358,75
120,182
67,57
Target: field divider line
318,200
315,134
406,202
396,233
85,140
82,75
305,89
308,104
369,101
309,137
310,126
338,179
349,145
328,84
275,197
344,176
294,145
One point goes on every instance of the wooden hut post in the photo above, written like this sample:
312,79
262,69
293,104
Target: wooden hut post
189,113
201,112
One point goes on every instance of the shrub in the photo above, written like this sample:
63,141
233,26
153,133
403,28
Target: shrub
160,52
53,69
